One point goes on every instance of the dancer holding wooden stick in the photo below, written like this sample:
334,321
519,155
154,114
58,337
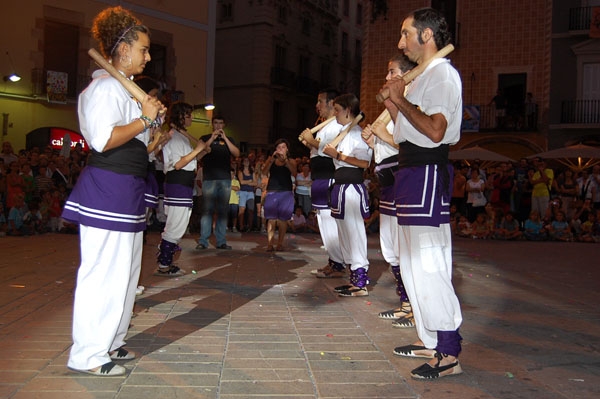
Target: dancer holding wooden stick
428,122
108,199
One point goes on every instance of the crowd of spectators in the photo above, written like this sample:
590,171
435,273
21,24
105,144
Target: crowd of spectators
524,201
34,185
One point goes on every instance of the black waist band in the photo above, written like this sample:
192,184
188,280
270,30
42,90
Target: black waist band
349,176
130,158
183,177
412,155
321,168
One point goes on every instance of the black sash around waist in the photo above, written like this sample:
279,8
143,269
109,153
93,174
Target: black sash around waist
410,154
182,177
349,176
130,158
321,168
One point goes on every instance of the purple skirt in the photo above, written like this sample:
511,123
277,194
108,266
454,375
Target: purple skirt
319,193
338,200
420,201
279,205
107,200
151,195
179,195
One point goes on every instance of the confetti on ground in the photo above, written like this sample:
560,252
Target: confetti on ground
509,374
329,335
17,286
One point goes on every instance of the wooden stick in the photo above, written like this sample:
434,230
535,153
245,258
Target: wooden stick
318,127
129,85
416,71
344,132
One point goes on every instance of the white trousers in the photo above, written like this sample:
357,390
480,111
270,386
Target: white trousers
178,218
388,239
105,294
329,235
352,232
426,267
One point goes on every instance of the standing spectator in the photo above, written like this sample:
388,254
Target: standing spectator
216,184
500,105
541,181
459,187
428,121
8,154
247,180
179,159
475,196
117,129
530,112
303,184
234,201
15,184
279,201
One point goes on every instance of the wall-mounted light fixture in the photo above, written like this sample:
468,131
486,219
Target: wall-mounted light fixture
13,76
208,106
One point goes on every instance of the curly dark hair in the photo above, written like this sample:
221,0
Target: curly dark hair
114,25
177,113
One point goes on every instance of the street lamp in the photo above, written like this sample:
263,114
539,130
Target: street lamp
13,76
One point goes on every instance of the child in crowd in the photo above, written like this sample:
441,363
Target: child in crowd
508,229
33,218
312,223
463,228
534,228
590,229
16,223
480,228
3,222
298,222
234,201
559,229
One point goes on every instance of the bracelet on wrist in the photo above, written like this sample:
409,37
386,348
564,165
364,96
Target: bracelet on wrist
338,156
143,123
147,121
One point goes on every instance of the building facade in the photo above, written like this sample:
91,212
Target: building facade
47,46
272,57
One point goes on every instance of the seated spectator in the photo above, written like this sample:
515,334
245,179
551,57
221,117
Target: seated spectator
590,229
312,223
16,223
372,222
559,229
3,221
480,228
508,229
463,228
33,218
297,224
534,228
580,215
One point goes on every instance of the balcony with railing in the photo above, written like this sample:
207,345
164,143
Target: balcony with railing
580,18
580,112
